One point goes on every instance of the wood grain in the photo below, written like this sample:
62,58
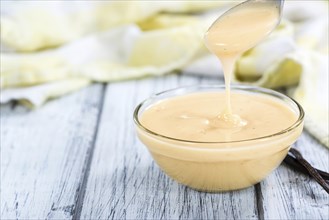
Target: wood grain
124,182
287,194
43,154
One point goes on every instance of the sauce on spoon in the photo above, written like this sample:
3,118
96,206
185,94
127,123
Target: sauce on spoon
236,31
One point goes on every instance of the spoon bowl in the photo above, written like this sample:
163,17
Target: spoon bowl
256,19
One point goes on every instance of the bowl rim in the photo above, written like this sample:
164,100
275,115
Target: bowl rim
234,87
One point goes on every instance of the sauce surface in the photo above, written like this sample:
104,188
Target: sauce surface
194,117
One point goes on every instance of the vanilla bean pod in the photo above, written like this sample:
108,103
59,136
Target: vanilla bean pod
310,170
293,162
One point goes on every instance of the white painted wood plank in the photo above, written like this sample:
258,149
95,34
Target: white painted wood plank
287,194
43,155
124,182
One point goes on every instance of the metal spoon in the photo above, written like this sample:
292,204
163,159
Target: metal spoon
249,3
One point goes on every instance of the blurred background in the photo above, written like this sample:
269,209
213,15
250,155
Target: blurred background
52,48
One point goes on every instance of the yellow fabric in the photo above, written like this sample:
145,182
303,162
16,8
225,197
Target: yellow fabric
27,70
35,25
149,53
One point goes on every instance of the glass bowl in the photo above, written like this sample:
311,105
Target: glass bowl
219,166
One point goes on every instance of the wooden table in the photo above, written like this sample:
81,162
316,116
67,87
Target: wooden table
78,157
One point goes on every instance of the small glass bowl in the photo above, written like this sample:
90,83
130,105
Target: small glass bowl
219,166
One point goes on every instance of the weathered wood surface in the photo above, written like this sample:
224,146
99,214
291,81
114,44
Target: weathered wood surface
289,195
43,155
59,162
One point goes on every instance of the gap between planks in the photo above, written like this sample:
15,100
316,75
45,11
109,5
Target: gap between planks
80,196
